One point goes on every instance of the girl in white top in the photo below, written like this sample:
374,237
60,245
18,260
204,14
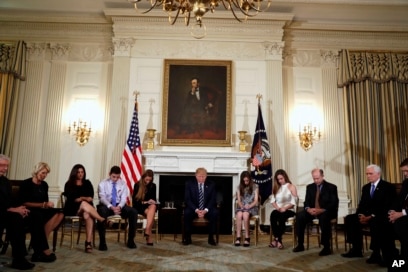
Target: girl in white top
284,198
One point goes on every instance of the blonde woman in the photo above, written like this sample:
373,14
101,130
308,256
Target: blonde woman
44,218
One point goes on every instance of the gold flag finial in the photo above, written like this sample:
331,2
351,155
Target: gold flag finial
259,97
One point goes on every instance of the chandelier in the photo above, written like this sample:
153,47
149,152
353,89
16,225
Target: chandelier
198,8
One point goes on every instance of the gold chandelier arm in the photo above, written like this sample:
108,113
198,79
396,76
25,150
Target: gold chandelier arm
175,17
152,6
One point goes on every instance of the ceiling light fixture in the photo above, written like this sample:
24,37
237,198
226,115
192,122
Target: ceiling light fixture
249,8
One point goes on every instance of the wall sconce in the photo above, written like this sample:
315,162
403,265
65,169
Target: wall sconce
308,135
80,131
242,143
150,136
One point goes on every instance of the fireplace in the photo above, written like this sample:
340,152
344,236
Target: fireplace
171,188
173,168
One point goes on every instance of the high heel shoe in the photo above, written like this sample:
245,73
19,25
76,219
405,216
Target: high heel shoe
88,247
146,235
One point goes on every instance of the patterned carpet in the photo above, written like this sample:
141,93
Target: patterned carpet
169,255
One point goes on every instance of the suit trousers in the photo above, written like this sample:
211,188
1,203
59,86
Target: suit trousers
190,215
16,232
303,217
401,227
126,212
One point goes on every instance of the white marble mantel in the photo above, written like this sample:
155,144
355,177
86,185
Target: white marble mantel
188,161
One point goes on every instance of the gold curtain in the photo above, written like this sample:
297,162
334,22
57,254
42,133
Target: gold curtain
12,71
375,93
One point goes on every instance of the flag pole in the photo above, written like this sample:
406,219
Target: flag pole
259,97
136,94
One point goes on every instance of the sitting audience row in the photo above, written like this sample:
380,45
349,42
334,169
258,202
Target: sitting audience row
379,208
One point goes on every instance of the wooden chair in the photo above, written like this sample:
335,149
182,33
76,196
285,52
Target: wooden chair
253,221
118,225
201,222
141,223
313,229
70,224
290,224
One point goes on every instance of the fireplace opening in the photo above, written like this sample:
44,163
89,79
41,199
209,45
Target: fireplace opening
171,188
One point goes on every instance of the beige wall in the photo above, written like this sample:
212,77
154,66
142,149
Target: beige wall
289,66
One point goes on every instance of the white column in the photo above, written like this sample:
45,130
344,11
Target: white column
335,159
117,100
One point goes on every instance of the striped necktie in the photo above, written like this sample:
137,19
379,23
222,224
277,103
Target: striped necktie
200,197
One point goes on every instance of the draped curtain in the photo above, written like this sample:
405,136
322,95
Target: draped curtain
12,72
375,93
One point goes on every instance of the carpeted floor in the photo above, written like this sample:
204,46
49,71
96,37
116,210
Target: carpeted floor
170,255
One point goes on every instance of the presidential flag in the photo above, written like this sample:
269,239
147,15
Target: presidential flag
131,165
261,166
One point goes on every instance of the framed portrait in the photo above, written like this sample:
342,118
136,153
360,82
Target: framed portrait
196,103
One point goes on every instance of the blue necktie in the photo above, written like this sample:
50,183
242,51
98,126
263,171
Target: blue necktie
372,190
113,202
200,197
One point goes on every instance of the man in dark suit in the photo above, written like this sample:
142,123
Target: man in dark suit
376,200
15,218
200,207
321,202
398,216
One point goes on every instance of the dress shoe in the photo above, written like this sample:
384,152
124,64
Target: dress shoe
131,244
352,254
41,257
374,259
211,241
325,251
103,247
22,264
299,248
187,241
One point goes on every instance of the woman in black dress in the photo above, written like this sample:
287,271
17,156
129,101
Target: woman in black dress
144,201
44,218
79,195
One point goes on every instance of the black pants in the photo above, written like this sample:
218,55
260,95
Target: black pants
382,238
38,218
303,217
190,215
126,212
401,230
278,222
16,233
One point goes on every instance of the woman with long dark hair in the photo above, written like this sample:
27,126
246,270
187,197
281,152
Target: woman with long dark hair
79,195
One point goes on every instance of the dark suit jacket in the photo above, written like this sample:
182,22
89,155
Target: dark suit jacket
328,198
191,195
380,204
402,199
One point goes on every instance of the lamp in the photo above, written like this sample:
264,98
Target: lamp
80,131
249,8
150,136
308,135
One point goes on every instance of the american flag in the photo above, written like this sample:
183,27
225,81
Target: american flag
131,165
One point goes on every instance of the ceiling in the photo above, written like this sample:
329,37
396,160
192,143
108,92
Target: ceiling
345,12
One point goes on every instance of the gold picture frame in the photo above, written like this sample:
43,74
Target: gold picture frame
196,118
